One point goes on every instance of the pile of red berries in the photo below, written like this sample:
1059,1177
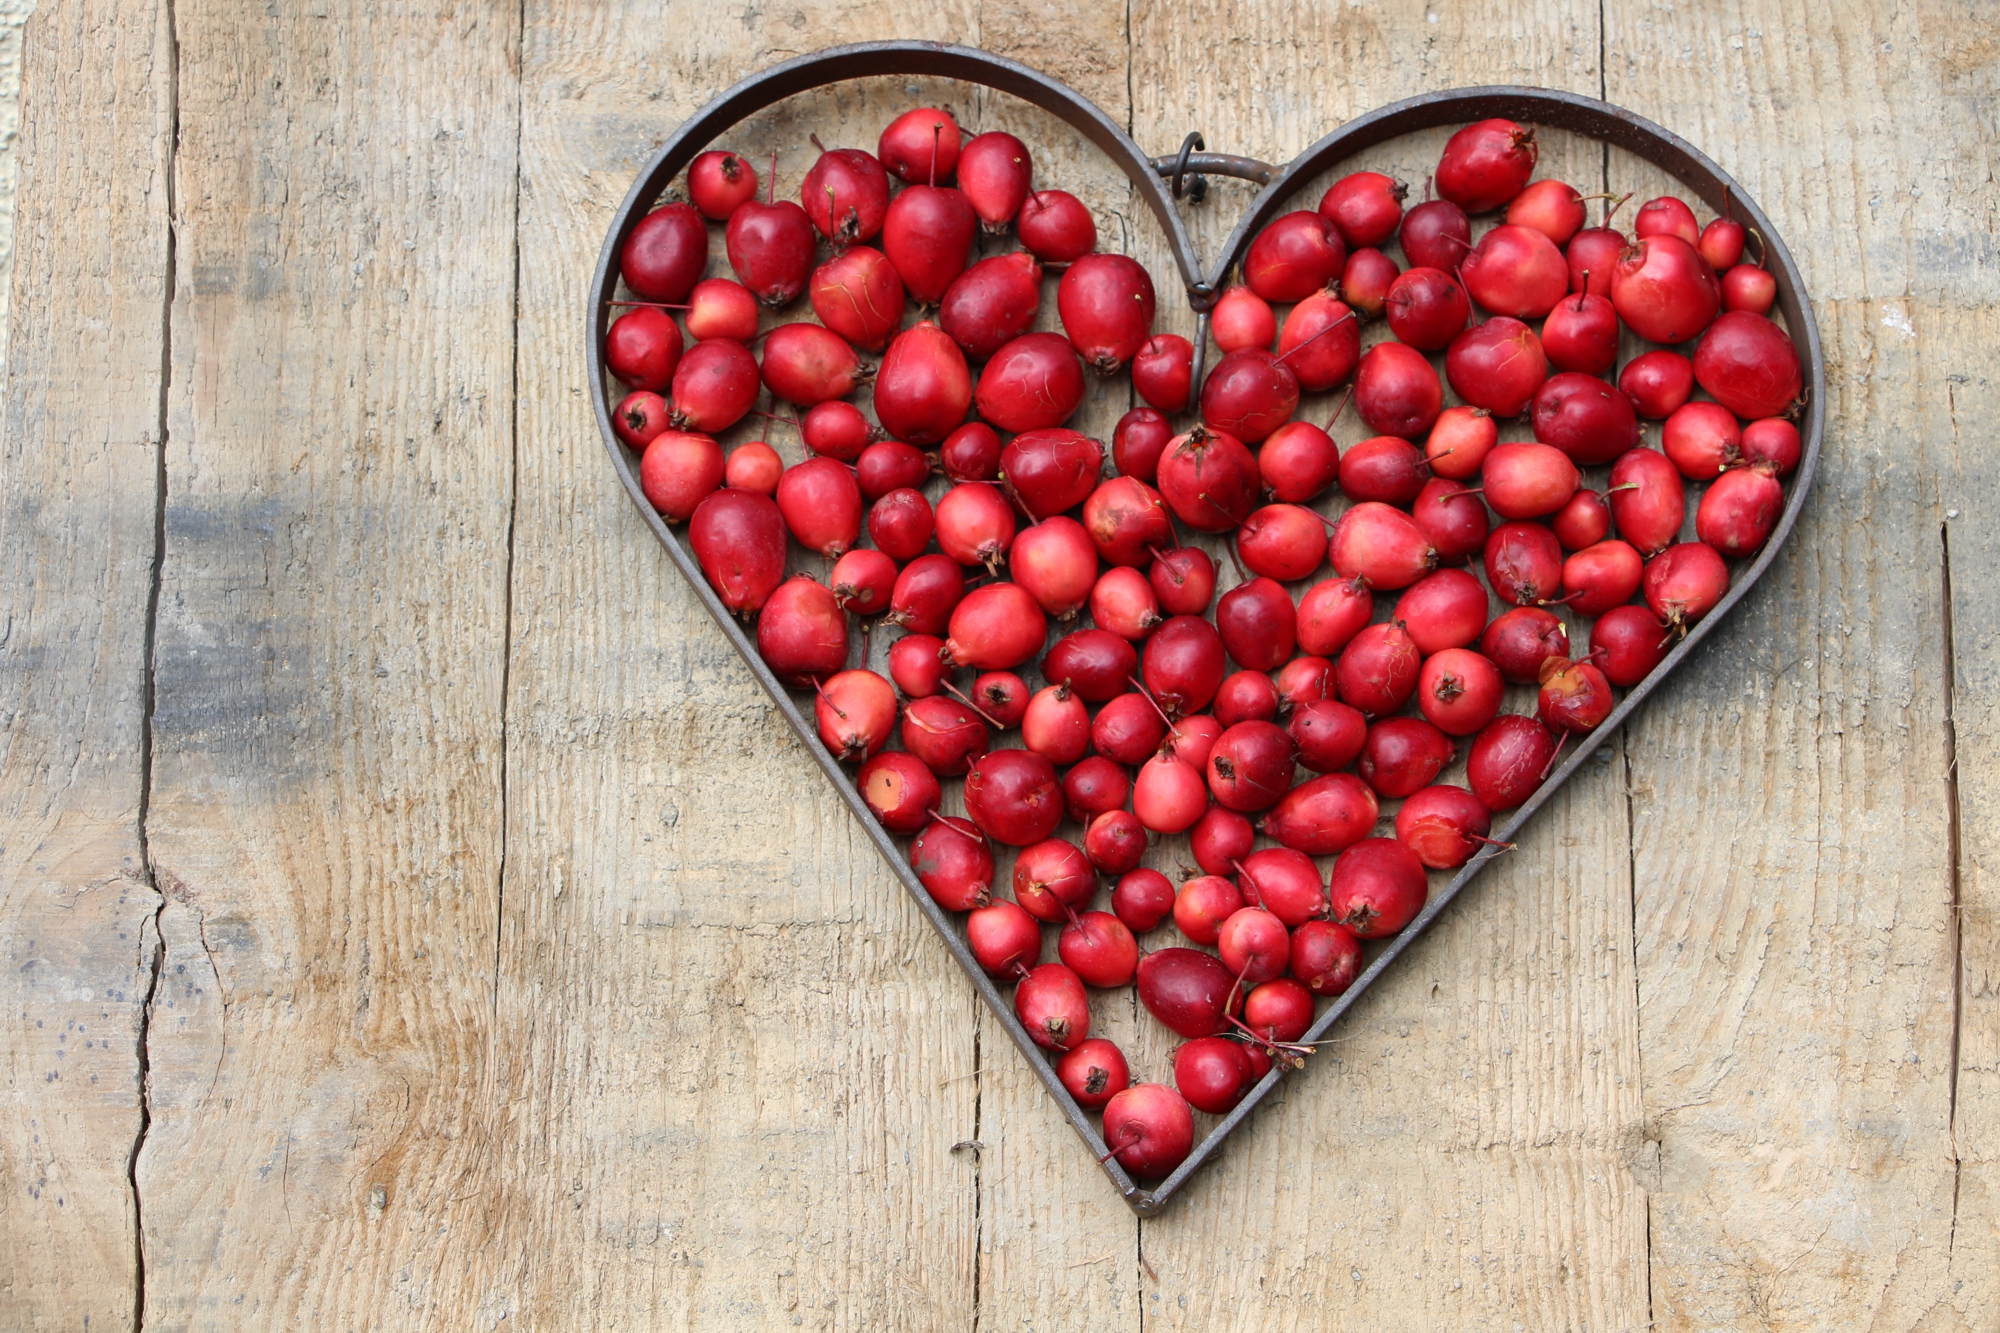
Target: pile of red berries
991,526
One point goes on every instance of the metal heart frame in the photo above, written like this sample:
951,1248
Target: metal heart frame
1581,115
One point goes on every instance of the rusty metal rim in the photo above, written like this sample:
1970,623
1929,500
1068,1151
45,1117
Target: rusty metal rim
1584,115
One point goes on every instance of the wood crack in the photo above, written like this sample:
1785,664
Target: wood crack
1953,853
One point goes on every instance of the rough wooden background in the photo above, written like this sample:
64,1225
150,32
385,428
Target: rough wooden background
411,915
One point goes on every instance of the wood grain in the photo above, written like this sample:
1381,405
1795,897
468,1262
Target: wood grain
79,452
331,650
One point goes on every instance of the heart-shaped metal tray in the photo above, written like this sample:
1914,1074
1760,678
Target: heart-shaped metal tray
1149,175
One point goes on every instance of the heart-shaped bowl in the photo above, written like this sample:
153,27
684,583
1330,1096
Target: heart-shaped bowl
1542,107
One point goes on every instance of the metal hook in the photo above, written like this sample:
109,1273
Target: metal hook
1198,187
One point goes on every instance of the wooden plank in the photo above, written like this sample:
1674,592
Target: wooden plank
79,442
331,649
1469,1143
1792,789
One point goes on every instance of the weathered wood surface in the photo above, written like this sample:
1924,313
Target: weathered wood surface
513,964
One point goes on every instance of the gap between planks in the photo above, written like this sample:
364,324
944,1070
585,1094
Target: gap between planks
1953,852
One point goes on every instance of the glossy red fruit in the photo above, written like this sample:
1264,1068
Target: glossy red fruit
1128,729
1736,513
1303,680
1657,383
1486,164
1515,271
1033,383
995,172
862,581
720,308
1002,696
1602,576
1149,1129
1242,319
859,296
1056,563
1056,725
1324,815
1258,624
1255,945
900,524
1774,441
1497,366
1095,1071
1386,468
770,246
1366,280
1123,602
1396,392
1664,291
945,734
1294,256
1367,206
664,256
1667,216
995,628
807,364
1284,542
1593,256
821,503
718,182
1212,1074
1528,480
1184,580
1524,564
1459,691
1163,374
1549,207
1378,887
1051,1005
855,711
1508,761
642,348
1702,438
1581,334
1585,418
1648,500
1443,610
1575,696
1209,479
1183,666
739,538
1115,842
1203,904
1127,519
802,632
715,386
1106,306
1627,642
1250,766
923,387
899,790
1377,671
1142,899
1452,518
838,430
1298,462
1721,243
1193,737
1169,795
928,236
971,453
1404,754
1329,734
992,303
1220,839
1013,796
1749,288
1094,787
1055,227
678,471
1004,938
1248,395
1427,308
1520,640
1458,444
1326,957
1050,470
1138,440
925,594
1321,342
1279,1010
1097,664
1750,366
889,465
953,863
1443,825
1188,990
1436,234
1381,544
846,194
920,145
914,665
